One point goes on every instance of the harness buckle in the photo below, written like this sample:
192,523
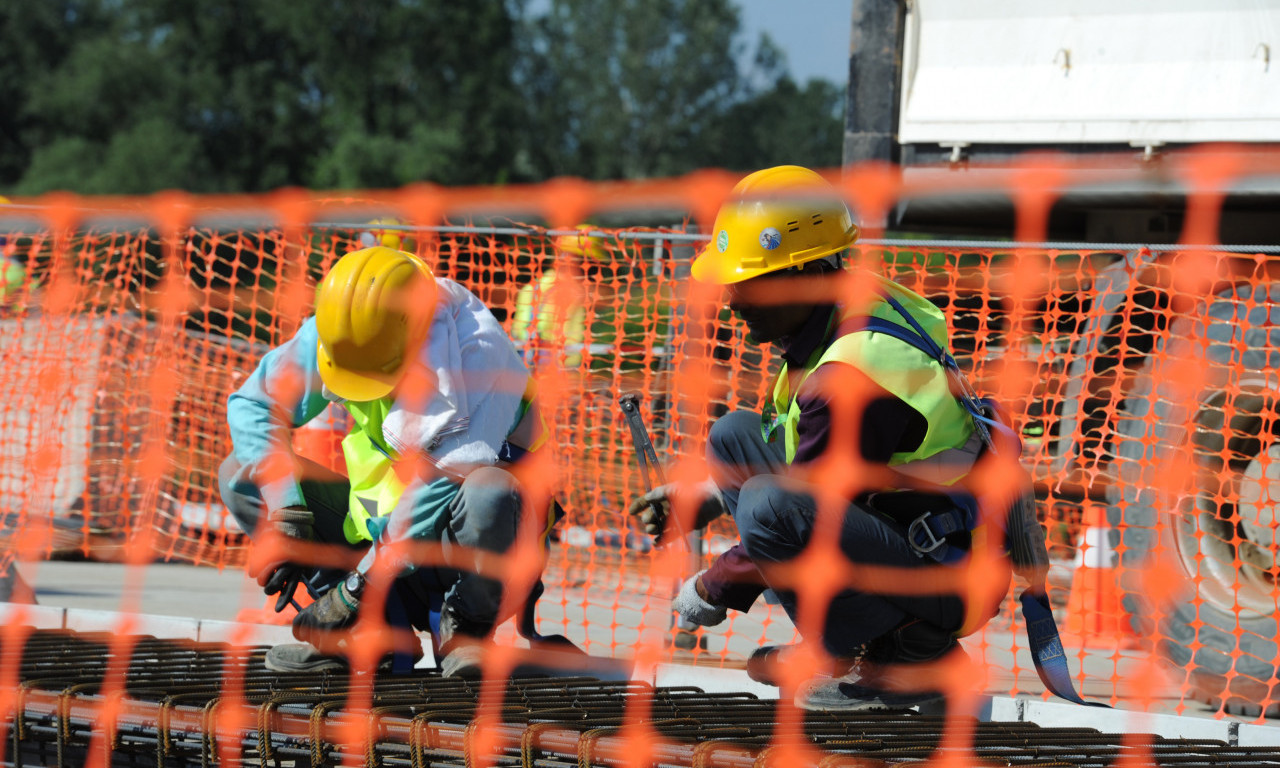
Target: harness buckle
919,528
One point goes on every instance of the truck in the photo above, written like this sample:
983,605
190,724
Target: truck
1155,340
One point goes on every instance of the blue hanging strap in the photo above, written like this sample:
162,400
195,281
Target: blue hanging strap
1046,646
926,532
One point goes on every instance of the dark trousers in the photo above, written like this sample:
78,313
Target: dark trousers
483,518
775,519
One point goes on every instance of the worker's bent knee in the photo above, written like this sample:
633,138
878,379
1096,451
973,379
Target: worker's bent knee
773,522
729,433
239,494
228,471
487,510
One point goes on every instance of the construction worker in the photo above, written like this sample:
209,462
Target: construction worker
776,241
388,231
428,375
550,318
12,274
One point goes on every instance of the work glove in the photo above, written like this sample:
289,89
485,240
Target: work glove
653,507
334,610
694,608
281,576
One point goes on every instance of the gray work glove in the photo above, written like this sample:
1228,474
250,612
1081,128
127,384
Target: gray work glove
654,507
333,611
282,576
692,607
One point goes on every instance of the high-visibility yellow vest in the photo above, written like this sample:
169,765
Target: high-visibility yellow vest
903,370
378,478
550,316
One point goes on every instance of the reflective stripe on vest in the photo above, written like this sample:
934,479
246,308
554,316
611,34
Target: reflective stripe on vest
949,447
371,468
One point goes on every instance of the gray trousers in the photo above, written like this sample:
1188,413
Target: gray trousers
775,520
483,518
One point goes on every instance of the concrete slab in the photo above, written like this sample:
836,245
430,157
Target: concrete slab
1256,735
710,679
160,589
38,616
84,620
1119,720
236,633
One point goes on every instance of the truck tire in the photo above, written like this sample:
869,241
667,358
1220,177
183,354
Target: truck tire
1220,537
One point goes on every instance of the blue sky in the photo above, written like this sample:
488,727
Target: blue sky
814,34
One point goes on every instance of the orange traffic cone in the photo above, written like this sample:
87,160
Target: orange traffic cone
1095,613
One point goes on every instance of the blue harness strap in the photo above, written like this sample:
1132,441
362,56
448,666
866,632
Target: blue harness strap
928,531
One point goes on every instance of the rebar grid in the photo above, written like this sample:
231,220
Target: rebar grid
176,700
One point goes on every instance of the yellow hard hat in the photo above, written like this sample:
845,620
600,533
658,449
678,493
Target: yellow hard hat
373,311
391,238
775,219
581,244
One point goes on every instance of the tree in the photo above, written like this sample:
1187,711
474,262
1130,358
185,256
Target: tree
782,123
246,95
132,96
629,88
34,37
622,88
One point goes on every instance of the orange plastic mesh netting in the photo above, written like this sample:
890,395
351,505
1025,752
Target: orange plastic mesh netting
1141,382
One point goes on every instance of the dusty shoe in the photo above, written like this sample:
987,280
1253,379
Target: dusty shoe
885,678
766,659
304,657
301,657
462,645
464,660
763,661
852,694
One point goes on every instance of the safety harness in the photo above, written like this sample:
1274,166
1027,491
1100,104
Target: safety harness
1025,539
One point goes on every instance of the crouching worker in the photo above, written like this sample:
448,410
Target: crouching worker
428,374
776,244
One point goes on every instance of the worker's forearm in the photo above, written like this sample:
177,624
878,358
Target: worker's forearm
282,392
732,581
421,515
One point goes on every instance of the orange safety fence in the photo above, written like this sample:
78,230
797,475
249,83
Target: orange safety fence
1142,382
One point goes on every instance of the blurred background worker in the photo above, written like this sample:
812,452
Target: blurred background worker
776,244
388,231
425,461
12,274
550,317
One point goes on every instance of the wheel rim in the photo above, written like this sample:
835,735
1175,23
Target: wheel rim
1228,543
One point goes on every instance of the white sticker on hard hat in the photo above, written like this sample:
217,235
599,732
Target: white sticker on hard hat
722,241
770,238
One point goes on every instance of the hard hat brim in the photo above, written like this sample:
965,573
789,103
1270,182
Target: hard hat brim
717,268
360,387
721,269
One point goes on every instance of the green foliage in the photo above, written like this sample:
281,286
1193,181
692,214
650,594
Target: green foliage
132,96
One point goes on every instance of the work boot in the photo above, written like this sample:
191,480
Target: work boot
462,645
854,694
765,659
882,679
304,657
